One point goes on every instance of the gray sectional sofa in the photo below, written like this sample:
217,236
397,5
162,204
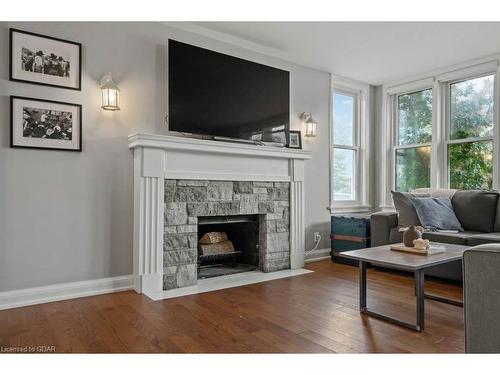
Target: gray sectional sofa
478,212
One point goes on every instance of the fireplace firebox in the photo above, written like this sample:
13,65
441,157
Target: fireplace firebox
242,232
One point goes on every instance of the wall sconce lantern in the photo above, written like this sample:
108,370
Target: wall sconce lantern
110,93
310,124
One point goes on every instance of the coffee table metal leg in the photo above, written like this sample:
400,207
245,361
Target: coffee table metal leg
362,286
419,289
420,286
444,300
435,297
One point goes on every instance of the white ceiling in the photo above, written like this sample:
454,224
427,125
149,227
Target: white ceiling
372,52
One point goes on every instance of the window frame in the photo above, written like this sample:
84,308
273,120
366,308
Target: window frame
440,81
395,136
360,92
446,88
355,145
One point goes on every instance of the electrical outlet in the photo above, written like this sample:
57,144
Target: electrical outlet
317,237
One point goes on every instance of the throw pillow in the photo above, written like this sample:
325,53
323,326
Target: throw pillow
436,213
406,211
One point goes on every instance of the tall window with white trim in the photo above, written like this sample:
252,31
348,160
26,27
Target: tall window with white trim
345,146
412,143
470,133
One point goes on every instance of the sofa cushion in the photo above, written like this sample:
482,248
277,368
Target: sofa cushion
484,238
406,211
436,213
459,238
475,209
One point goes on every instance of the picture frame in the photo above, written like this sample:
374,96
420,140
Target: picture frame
45,124
295,139
44,60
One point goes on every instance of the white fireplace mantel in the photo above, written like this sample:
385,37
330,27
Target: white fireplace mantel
160,157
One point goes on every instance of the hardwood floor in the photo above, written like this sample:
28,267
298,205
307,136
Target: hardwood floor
314,313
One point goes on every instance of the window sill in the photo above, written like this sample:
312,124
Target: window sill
386,208
350,209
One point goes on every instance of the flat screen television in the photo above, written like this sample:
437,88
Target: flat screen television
214,94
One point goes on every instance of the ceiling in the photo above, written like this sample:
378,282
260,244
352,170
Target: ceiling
372,52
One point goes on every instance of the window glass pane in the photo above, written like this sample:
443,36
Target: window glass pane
471,165
343,119
343,174
413,168
415,117
472,108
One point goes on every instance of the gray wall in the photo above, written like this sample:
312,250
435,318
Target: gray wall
68,216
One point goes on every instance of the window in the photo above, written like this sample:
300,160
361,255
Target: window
412,150
345,147
470,139
439,132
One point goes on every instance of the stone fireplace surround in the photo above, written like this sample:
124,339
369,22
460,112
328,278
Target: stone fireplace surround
185,200
159,159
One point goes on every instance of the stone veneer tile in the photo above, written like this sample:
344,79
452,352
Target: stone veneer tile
220,191
170,229
278,194
187,275
249,204
277,242
223,208
191,194
169,194
187,229
175,213
243,187
175,241
282,225
266,207
192,183
197,209
180,257
263,184
267,226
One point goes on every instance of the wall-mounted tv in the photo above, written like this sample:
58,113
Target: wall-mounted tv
214,94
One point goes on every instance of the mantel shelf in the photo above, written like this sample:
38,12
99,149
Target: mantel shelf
169,142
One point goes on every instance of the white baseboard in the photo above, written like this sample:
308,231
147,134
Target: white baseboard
317,255
58,292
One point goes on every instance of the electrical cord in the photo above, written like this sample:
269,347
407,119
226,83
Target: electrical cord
316,245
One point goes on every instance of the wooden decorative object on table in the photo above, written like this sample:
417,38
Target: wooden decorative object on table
431,250
410,235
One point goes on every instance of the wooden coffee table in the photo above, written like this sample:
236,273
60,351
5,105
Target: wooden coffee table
385,257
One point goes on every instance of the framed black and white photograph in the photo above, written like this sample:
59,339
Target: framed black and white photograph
45,124
295,139
45,60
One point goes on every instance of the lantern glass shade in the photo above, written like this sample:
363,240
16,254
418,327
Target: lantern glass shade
110,99
110,94
310,127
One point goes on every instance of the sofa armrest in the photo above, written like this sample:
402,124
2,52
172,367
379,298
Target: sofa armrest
381,224
481,303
